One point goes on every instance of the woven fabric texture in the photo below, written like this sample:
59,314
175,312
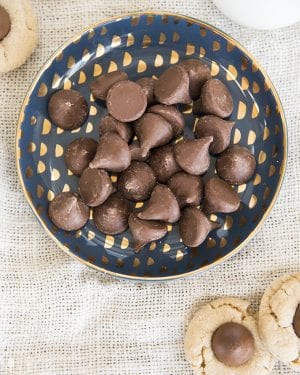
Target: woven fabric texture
60,317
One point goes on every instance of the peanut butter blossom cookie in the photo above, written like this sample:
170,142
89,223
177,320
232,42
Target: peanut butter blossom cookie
18,33
279,319
223,338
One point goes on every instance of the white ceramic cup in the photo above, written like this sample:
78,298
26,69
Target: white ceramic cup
261,14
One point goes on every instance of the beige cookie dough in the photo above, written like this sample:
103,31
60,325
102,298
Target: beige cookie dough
200,331
22,37
276,315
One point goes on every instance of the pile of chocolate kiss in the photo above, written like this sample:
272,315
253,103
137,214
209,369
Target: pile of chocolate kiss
141,142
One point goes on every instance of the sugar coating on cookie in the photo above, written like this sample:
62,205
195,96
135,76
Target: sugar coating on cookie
21,38
199,336
277,319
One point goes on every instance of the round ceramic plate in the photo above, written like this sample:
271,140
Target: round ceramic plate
145,44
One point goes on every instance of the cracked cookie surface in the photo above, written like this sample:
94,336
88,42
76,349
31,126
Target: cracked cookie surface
207,320
21,39
276,319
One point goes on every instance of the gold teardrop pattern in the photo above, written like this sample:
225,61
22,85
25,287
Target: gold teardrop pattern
266,133
174,57
169,227
124,243
59,151
139,204
251,137
91,34
190,49
166,248
97,70
114,178
257,179
89,128
135,20
40,191
175,37
230,46
70,62
103,30
150,261
152,246
231,73
272,170
29,172
130,40
244,65
202,52
55,81
116,41
91,235
41,167
266,193
82,78
162,38
253,201
74,131
146,41
159,61
228,222
104,259
262,157
55,174
237,136
179,255
210,243
255,88
43,149
223,242
214,70
255,110
127,59
142,66
136,262
203,32
112,67
43,90
245,83
216,45
46,128
109,242
31,147
274,151
241,188
70,173
33,120
67,84
150,19
59,130
50,196
67,188
100,51
93,110
86,54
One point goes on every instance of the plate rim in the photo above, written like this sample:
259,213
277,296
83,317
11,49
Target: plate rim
216,30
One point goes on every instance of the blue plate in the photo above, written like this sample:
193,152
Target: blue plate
145,44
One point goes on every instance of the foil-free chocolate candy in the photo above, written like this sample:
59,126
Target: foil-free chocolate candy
111,217
126,101
215,99
188,189
152,131
147,84
163,163
194,226
95,186
145,231
136,152
68,212
162,206
68,109
171,114
79,154
236,165
112,154
198,72
137,182
109,124
192,155
219,196
101,85
172,87
216,127
233,344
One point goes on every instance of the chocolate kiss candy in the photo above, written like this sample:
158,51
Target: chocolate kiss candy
79,154
68,109
144,231
109,124
112,216
198,73
233,344
215,99
187,189
194,226
296,321
137,182
236,165
172,87
219,196
192,155
68,212
162,206
163,163
218,128
101,85
171,114
5,23
136,152
112,154
152,131
126,101
147,84
95,186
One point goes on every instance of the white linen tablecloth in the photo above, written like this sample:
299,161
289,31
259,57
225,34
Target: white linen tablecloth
58,316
